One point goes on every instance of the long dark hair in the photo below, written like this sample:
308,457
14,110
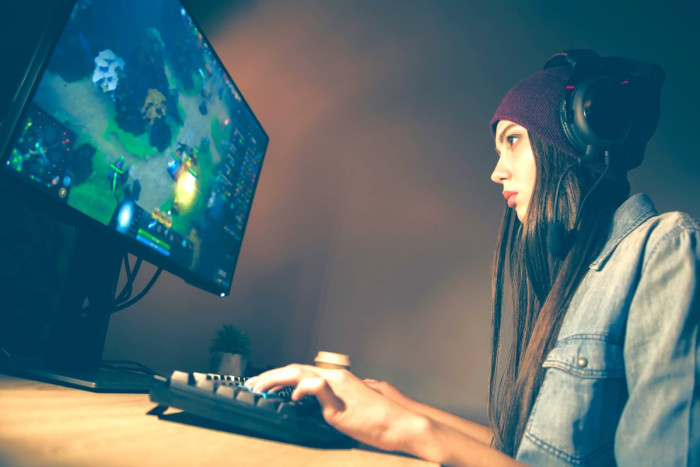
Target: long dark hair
541,284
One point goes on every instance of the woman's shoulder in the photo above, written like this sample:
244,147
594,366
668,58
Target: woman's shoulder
673,230
638,226
675,221
640,212
648,254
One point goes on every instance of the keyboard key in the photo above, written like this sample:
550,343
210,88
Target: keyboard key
197,379
270,403
288,409
226,391
203,383
180,377
247,397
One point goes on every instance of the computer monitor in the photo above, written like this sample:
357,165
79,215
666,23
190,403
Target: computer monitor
128,127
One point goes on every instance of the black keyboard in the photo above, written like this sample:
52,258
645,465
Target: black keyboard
224,399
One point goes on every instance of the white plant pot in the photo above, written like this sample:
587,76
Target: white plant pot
229,364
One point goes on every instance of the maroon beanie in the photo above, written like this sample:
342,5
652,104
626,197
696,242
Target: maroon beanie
534,104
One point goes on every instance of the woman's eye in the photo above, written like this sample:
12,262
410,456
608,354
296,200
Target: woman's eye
512,139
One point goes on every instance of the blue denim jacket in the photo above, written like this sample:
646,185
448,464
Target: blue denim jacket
622,383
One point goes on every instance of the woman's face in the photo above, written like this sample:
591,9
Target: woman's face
515,169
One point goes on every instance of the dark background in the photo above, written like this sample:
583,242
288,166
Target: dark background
372,229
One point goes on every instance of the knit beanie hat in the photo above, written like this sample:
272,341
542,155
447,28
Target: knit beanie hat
535,102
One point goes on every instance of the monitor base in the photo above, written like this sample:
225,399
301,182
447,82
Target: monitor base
103,380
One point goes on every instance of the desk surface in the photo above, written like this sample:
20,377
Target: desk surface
45,424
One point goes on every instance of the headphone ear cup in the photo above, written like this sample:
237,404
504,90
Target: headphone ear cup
597,113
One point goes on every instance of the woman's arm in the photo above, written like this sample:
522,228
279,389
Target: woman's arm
359,411
480,433
660,424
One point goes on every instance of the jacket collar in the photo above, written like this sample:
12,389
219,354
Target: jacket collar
635,210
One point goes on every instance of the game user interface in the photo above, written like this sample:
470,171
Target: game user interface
136,123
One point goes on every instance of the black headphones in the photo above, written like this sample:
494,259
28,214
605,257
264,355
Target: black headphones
599,112
598,107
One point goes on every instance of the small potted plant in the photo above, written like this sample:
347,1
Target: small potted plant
230,351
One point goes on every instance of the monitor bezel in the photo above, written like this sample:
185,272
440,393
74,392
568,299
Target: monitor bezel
10,130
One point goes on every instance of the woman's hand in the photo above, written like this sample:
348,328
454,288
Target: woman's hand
348,404
390,391
479,432
378,414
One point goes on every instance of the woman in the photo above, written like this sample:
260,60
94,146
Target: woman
603,360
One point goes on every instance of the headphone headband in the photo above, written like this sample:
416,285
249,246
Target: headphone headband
572,58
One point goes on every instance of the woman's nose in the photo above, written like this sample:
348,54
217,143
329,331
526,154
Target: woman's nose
500,173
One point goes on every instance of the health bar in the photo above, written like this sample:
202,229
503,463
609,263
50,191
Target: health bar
148,236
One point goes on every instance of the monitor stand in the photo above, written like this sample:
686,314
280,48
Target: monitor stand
98,380
79,323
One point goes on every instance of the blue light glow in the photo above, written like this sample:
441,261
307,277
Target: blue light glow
126,213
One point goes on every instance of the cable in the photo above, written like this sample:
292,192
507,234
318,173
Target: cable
595,185
559,239
126,291
141,294
561,179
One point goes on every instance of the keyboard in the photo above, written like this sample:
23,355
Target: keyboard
224,399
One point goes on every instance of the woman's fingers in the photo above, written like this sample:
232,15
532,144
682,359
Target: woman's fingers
319,388
307,380
278,378
250,382
355,407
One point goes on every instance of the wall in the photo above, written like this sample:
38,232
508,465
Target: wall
372,230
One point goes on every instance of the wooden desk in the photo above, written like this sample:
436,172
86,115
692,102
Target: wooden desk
44,424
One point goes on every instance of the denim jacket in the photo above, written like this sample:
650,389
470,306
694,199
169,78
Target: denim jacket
622,383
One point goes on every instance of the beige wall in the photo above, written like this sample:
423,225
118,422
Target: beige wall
372,229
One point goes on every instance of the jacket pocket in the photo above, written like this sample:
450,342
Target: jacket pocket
578,407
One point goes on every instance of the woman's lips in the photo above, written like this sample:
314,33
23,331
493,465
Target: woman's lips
510,197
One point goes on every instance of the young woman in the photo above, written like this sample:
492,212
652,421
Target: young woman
602,367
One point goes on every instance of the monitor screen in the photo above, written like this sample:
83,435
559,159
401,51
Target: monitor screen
134,125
